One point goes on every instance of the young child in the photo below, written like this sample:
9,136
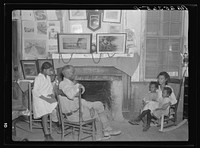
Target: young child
151,99
164,103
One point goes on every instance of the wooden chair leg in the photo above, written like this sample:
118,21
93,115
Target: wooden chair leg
80,134
162,123
93,131
50,122
31,122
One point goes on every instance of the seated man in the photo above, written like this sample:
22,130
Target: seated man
70,104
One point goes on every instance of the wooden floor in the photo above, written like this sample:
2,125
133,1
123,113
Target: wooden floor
129,133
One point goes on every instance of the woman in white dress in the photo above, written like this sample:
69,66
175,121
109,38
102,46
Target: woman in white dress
44,101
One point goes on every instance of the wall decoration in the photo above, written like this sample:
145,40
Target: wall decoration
27,15
15,14
40,15
74,43
94,20
77,14
131,40
111,42
113,16
29,68
34,48
76,28
54,14
52,31
41,28
114,29
41,61
28,29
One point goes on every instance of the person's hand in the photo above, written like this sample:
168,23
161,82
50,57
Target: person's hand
50,95
92,112
143,102
157,109
53,99
82,88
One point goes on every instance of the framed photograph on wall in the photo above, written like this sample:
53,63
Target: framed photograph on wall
77,15
29,69
113,16
111,42
74,42
41,61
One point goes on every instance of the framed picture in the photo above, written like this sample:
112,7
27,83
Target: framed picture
41,61
29,68
74,42
111,42
113,16
77,15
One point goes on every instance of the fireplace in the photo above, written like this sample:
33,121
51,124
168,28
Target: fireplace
98,91
108,85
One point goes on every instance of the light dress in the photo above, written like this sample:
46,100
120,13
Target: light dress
151,100
42,86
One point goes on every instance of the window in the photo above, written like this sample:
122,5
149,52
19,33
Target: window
163,43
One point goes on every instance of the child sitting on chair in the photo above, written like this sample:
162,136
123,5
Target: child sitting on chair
150,101
164,103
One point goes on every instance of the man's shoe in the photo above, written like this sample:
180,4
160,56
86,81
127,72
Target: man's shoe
114,133
111,133
103,138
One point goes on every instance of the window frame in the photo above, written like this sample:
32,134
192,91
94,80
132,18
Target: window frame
158,37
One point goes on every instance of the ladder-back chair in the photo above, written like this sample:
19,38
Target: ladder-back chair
87,127
172,116
33,123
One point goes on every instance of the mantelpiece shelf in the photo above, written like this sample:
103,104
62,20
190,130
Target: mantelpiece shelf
103,55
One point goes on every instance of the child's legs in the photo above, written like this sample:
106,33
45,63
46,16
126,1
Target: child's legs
44,124
54,115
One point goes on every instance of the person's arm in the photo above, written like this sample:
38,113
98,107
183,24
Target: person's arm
173,98
70,91
164,106
49,100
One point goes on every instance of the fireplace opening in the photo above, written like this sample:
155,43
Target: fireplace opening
97,91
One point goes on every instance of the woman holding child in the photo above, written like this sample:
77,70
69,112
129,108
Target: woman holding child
166,98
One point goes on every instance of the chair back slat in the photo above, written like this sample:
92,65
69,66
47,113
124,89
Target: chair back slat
177,89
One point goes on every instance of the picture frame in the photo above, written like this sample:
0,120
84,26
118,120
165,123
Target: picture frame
77,15
29,69
112,16
111,42
41,61
74,43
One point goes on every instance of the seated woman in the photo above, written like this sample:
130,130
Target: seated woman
90,110
44,101
163,78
